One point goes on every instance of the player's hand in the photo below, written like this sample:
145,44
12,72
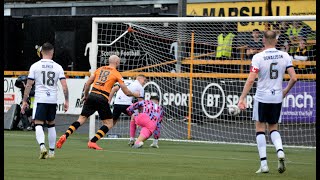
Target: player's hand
23,107
242,105
66,106
83,100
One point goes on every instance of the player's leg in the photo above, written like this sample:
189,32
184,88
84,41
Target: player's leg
52,134
145,133
89,107
107,125
133,128
259,116
117,110
276,137
31,107
39,116
116,113
148,127
28,117
25,120
107,121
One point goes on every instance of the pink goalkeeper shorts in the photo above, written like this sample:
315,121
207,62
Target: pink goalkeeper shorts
143,120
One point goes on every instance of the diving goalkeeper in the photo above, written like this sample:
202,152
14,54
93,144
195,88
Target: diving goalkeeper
149,119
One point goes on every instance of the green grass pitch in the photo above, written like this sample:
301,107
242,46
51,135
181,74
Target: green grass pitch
173,160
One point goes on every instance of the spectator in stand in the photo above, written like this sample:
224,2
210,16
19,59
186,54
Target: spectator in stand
303,54
283,43
26,123
255,44
224,42
298,31
284,27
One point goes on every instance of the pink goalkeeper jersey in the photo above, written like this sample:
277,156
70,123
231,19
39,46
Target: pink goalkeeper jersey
153,110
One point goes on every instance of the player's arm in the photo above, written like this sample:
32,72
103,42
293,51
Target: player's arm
156,134
27,90
65,90
127,92
141,97
158,128
113,90
66,94
134,106
292,81
248,85
87,86
124,87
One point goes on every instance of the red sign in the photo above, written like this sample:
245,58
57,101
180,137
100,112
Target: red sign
9,99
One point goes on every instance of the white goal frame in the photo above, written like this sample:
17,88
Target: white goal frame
96,20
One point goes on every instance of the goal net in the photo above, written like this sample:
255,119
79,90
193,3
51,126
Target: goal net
199,65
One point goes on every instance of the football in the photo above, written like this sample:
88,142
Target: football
234,110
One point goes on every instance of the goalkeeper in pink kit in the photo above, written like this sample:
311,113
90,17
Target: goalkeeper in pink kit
149,119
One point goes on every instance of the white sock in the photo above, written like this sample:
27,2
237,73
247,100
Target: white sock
131,138
277,142
51,152
40,135
262,148
52,135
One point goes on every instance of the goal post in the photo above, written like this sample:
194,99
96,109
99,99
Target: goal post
198,82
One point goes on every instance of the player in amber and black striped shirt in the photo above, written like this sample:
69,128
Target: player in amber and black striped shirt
103,80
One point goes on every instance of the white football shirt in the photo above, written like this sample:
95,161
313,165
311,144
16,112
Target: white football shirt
271,65
123,99
46,74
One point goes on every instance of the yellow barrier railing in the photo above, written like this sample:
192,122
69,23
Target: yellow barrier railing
132,73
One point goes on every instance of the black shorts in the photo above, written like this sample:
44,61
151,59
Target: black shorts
118,109
267,112
44,111
97,102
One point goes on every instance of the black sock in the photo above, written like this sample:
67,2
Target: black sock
100,133
73,127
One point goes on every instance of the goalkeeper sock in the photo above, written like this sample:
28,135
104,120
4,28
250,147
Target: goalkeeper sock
262,147
132,129
100,133
73,127
277,142
52,135
40,134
